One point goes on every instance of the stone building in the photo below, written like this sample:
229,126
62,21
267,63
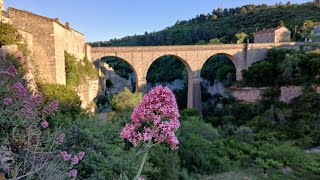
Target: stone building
50,39
273,35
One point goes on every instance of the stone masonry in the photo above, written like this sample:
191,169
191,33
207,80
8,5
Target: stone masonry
50,40
193,57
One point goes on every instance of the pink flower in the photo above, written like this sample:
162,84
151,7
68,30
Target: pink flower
156,118
60,139
44,124
11,70
140,178
21,90
7,101
65,155
72,174
81,155
51,108
75,160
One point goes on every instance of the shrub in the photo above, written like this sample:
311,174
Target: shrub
9,35
67,97
126,100
244,134
28,148
73,75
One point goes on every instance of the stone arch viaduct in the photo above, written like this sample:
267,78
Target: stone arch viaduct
193,57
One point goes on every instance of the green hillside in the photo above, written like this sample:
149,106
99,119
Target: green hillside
225,23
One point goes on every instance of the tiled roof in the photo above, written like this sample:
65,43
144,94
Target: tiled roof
264,31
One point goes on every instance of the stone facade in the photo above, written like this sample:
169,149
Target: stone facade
50,40
273,35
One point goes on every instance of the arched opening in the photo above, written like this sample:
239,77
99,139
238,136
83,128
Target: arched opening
116,75
170,71
217,74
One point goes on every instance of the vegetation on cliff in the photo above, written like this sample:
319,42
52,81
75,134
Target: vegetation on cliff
224,24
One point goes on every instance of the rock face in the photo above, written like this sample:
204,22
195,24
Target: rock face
177,84
246,94
290,92
216,88
87,92
117,83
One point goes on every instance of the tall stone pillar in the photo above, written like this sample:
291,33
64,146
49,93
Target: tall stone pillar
238,74
141,85
194,92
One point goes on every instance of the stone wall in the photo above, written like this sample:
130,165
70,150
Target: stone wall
50,40
43,42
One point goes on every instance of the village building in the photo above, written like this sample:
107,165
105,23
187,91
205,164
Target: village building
50,40
273,35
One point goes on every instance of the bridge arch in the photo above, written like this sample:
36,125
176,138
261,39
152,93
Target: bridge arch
189,78
123,60
235,60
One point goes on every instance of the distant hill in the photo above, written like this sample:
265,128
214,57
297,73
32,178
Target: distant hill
223,24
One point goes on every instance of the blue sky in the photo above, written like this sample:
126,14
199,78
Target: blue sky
107,19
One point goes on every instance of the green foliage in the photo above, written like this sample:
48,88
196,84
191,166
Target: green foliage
260,74
189,112
241,37
219,68
69,101
284,67
107,155
224,24
9,35
126,100
73,75
158,71
121,67
78,72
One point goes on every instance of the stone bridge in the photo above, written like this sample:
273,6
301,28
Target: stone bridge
192,56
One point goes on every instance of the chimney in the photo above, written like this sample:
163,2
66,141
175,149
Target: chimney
56,19
67,25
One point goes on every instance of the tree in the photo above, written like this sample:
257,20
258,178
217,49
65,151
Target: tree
215,41
243,10
9,35
214,17
241,37
281,23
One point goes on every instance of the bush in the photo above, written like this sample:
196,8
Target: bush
126,100
67,97
28,148
108,155
9,35
73,74
78,73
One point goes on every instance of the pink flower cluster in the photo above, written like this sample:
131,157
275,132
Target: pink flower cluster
72,174
156,118
74,161
51,108
60,139
10,71
20,89
7,101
